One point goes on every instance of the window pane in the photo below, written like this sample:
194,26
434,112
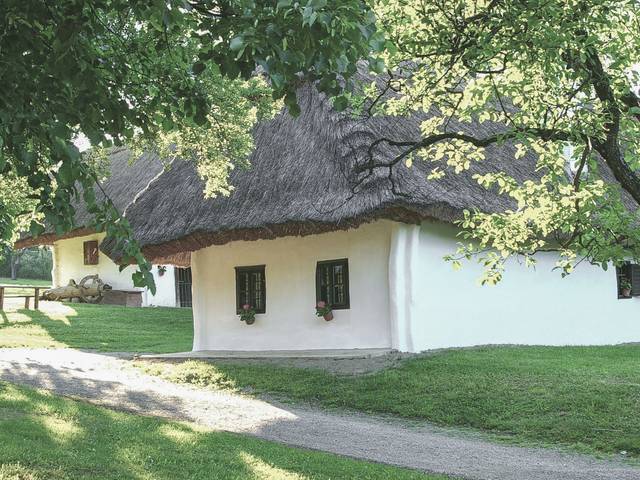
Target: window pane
326,294
338,295
256,287
337,274
244,289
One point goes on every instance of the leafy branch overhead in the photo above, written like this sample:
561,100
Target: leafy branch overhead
175,75
557,78
191,78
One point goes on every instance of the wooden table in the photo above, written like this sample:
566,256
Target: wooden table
36,294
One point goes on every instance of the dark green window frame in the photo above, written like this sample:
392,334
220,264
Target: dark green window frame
631,272
251,288
332,283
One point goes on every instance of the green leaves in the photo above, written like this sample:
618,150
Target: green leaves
554,78
36,229
309,16
161,75
315,39
238,45
341,102
198,68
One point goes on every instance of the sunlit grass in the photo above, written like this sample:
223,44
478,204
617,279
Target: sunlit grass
263,471
44,437
586,398
99,327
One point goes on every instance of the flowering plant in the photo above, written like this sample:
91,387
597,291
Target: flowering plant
247,314
625,284
322,308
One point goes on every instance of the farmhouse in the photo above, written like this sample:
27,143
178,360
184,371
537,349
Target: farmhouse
77,254
302,226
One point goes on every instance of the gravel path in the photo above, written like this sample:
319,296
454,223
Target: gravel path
110,381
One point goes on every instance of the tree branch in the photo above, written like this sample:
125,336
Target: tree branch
541,133
610,148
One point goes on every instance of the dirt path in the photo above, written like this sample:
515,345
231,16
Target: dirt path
111,382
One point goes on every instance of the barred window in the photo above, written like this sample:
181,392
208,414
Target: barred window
251,288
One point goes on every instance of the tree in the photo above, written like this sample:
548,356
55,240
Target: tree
172,74
15,203
12,258
561,76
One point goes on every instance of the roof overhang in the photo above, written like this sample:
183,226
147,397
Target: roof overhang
51,238
177,251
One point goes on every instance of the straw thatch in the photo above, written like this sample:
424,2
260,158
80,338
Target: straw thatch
125,181
301,181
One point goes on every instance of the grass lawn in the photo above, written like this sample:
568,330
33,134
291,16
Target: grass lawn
23,281
586,398
47,437
105,328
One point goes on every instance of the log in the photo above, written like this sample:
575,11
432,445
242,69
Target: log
83,291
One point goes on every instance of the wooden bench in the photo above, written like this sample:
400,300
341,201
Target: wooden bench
27,297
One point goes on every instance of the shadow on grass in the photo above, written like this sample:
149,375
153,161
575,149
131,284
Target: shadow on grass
70,440
99,327
44,436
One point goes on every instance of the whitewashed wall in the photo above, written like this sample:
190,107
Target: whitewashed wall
68,258
68,263
290,321
434,306
165,289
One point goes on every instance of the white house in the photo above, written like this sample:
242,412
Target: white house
78,254
310,220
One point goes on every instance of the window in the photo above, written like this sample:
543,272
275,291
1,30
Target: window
631,274
91,254
332,283
183,286
251,288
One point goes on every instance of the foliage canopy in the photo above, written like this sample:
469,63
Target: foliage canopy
168,73
560,77
191,78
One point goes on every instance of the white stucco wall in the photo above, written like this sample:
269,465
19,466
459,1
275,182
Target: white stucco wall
165,289
528,307
403,296
68,263
290,321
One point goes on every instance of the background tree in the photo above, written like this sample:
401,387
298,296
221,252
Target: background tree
34,262
155,72
561,77
14,263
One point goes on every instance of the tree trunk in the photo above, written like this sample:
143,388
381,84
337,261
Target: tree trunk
14,261
84,291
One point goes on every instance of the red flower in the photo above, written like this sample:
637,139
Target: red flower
321,304
246,306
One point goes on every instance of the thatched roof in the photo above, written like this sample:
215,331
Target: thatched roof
127,179
301,181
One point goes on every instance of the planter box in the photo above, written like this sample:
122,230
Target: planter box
127,298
